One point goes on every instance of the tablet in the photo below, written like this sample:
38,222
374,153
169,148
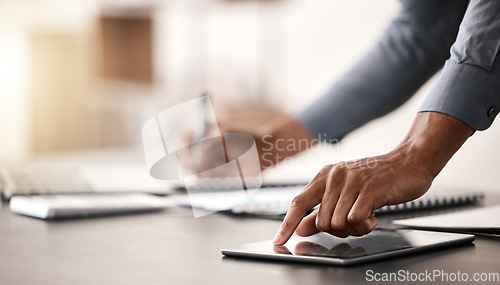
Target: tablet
327,249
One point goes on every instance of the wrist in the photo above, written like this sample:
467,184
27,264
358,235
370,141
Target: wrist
433,140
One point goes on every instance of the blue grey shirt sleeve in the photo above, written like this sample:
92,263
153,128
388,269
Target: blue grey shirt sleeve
411,50
469,85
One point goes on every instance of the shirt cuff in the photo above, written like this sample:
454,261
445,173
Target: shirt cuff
466,92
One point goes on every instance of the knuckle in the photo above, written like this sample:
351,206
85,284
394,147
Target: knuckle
354,219
324,171
323,226
340,167
338,171
284,225
325,168
298,202
338,225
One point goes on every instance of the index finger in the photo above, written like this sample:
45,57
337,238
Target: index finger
305,201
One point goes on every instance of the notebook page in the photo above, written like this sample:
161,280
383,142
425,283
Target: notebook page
477,219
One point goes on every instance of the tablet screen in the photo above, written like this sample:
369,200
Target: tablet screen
326,245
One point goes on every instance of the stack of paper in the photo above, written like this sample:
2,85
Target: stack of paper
484,220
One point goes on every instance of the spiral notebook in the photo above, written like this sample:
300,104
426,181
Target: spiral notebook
274,201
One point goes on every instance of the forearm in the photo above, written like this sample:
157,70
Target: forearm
433,139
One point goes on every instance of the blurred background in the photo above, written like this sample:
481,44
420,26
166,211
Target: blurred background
87,74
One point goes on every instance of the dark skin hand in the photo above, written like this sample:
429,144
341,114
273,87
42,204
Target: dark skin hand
350,192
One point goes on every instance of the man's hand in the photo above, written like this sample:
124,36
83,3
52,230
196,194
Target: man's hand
349,192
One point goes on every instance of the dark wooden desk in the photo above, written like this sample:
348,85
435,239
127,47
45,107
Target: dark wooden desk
171,247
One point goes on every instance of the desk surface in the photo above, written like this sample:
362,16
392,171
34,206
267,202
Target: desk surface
172,247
